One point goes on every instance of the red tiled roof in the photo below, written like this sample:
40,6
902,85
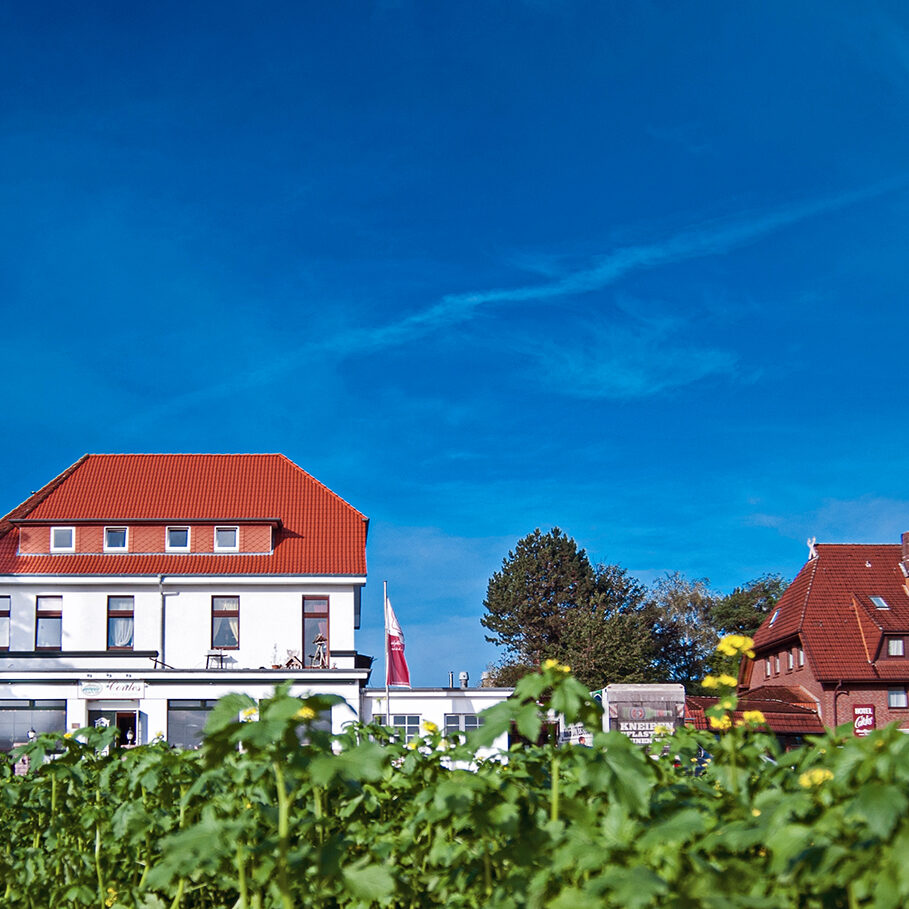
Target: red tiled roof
828,608
319,534
782,717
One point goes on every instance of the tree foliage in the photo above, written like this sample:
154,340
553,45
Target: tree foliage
743,610
549,602
686,639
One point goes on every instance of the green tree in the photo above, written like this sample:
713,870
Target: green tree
686,638
549,602
743,610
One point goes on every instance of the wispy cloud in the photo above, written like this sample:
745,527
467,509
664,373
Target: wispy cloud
641,358
709,239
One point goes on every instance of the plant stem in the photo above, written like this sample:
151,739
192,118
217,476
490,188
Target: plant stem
554,795
283,835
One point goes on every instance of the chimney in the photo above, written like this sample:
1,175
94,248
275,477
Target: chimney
463,678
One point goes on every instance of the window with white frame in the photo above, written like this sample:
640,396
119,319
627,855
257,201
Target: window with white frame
801,657
177,539
896,697
790,661
406,723
767,668
462,722
49,623
227,539
120,623
4,622
63,539
895,647
116,539
776,664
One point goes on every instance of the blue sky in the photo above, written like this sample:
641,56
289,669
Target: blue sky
635,270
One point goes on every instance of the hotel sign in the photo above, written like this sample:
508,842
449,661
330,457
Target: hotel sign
862,719
111,688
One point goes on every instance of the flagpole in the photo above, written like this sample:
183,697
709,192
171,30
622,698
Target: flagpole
387,664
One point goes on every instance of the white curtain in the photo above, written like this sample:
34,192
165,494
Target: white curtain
120,633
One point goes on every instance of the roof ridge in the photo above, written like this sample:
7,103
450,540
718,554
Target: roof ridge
326,488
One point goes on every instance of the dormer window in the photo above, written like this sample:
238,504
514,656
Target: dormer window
116,539
879,602
227,539
63,539
177,539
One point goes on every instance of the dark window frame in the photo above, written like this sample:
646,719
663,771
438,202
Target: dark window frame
222,613
318,613
46,613
121,614
6,613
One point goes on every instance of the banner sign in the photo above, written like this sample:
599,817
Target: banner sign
111,688
862,719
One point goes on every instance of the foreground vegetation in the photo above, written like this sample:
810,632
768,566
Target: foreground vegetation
254,819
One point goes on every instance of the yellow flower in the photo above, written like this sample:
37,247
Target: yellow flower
305,713
554,664
720,722
429,726
67,735
815,777
735,644
755,812
728,703
412,745
660,729
250,713
111,897
730,681
754,718
711,681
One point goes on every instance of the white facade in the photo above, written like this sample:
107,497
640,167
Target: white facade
90,679
450,709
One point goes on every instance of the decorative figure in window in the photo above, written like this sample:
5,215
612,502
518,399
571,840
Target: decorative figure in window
320,657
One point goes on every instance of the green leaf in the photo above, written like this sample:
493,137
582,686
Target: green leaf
879,805
369,881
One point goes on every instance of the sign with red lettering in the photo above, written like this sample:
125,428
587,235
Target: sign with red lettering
862,718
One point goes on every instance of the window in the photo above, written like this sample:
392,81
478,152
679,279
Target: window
185,722
767,667
115,539
49,623
177,539
225,623
895,647
119,623
408,724
776,664
4,623
461,722
19,717
315,632
801,657
227,539
774,617
63,539
896,697
879,602
790,661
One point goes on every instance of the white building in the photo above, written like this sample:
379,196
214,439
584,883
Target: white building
450,709
138,589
